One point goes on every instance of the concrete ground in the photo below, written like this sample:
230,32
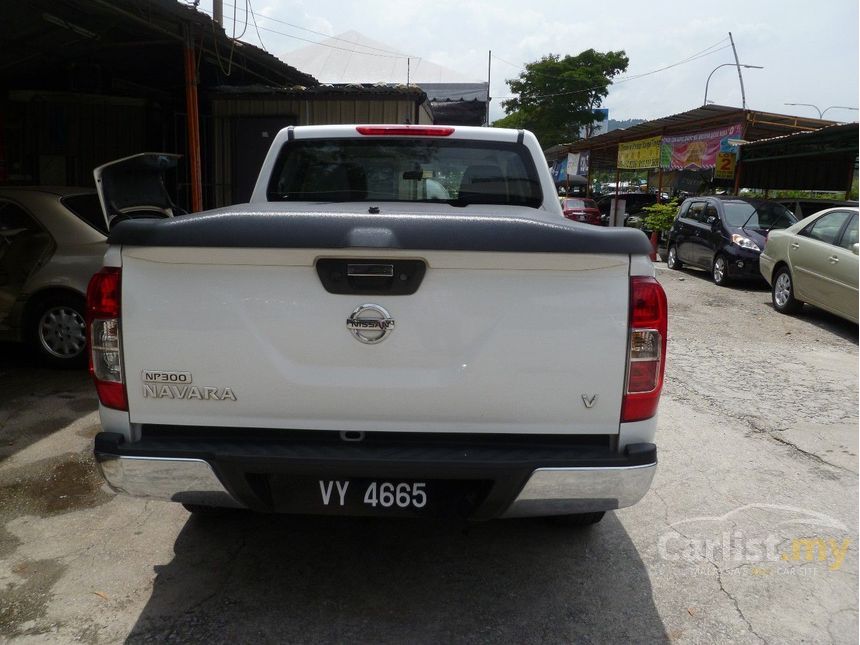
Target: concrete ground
749,533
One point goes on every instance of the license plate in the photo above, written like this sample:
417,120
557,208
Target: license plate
373,494
366,496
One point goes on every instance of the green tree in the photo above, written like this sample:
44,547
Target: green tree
555,96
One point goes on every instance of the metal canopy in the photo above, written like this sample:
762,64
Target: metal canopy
758,125
125,49
820,160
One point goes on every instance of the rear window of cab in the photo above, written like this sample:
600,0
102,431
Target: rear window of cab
405,170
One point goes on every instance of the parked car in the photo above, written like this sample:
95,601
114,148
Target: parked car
724,235
815,261
634,203
803,208
581,209
52,241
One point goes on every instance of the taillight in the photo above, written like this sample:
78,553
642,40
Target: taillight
646,355
103,333
406,130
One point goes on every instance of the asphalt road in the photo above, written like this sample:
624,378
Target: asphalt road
749,533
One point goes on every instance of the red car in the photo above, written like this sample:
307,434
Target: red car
580,209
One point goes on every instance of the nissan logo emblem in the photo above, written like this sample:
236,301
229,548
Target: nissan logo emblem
370,323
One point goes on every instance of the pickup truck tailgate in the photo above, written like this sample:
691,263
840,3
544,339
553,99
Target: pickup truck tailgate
489,342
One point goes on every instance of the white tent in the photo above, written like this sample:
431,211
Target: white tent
352,57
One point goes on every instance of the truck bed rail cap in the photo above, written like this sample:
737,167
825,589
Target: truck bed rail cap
446,230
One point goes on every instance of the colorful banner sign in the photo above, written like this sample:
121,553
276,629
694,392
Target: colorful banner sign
572,163
725,168
699,151
644,153
582,167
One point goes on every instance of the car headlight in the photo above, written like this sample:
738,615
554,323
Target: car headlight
744,242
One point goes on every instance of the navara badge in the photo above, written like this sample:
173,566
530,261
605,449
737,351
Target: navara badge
370,324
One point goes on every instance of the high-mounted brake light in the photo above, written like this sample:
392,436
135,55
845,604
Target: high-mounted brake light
646,361
406,130
103,332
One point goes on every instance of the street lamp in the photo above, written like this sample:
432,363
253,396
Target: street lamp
821,113
725,65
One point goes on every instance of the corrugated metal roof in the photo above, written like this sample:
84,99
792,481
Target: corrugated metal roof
759,125
380,90
849,130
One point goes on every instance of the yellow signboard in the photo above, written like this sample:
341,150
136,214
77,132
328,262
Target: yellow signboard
644,153
725,168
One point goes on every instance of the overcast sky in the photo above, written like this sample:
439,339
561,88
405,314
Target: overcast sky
809,50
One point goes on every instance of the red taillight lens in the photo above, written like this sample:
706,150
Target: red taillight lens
406,130
646,355
103,333
103,294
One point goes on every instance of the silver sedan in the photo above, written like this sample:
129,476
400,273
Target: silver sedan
815,261
52,240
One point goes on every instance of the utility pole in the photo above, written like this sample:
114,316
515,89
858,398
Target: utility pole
489,68
218,12
407,71
740,76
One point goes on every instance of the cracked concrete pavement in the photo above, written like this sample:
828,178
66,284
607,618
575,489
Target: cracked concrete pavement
748,535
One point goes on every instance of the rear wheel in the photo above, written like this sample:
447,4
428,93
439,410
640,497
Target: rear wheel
577,521
58,331
201,510
672,260
782,293
720,271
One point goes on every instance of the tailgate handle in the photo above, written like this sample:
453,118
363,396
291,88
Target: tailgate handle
370,270
379,276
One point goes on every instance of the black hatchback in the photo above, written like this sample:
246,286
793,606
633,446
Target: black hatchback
724,235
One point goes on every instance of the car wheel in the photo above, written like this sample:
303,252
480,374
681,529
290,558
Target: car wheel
720,271
782,293
201,510
672,260
577,521
58,331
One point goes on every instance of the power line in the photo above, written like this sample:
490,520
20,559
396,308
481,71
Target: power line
319,33
314,42
625,79
703,52
256,28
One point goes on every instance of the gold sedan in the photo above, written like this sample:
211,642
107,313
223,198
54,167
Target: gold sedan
815,261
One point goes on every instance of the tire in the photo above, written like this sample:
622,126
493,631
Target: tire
200,510
577,521
782,292
672,260
58,332
720,270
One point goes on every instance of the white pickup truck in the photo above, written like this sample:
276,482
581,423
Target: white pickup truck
400,322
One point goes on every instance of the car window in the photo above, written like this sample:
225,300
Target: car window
763,215
710,211
13,218
849,237
398,169
88,208
579,203
696,212
826,228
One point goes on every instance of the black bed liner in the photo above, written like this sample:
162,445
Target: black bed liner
246,227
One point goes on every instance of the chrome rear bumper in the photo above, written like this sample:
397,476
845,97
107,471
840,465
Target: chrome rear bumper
549,491
190,481
562,491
